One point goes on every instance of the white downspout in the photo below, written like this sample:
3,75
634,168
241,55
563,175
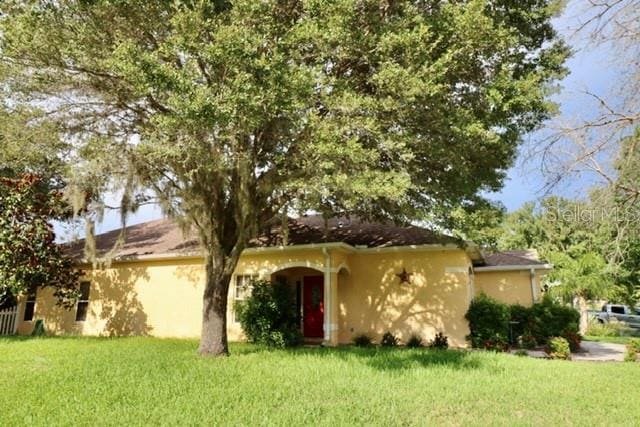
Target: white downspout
532,278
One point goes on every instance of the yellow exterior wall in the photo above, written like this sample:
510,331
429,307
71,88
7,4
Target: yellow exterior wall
373,301
512,287
159,298
164,298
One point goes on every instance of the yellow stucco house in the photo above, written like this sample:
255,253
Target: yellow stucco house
350,277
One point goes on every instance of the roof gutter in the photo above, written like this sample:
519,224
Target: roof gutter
513,267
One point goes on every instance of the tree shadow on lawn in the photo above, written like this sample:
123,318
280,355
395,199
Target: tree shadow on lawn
396,359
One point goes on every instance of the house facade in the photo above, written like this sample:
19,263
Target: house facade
347,277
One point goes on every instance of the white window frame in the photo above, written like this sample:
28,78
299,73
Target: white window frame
32,296
236,294
83,301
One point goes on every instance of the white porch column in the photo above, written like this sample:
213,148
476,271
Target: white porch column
330,324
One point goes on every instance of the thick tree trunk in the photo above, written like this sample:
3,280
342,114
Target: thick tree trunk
581,303
213,339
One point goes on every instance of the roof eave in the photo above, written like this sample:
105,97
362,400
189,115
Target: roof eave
513,267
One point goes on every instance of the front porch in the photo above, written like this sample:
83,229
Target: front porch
316,299
315,274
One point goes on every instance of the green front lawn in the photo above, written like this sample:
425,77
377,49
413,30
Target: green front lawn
85,381
616,340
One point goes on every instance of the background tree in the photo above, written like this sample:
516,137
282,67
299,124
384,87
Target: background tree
236,113
589,143
571,235
29,255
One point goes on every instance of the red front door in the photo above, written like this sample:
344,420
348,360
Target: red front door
313,307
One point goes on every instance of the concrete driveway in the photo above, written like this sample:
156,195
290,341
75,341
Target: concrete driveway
592,351
600,352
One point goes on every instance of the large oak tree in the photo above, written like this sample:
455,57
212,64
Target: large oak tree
235,113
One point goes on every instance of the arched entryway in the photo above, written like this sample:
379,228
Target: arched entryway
307,285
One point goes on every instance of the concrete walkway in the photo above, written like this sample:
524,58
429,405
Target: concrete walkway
600,352
591,351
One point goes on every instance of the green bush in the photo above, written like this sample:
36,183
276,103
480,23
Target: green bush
633,350
495,325
558,348
268,316
612,328
488,323
550,319
440,342
574,339
38,329
389,340
362,340
527,341
415,341
520,322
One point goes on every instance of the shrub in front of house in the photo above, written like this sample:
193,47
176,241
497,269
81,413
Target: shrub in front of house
550,319
519,323
389,340
362,340
440,342
633,350
495,325
574,339
558,348
488,323
527,341
415,341
268,316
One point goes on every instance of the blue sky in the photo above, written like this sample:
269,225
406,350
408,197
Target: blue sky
590,67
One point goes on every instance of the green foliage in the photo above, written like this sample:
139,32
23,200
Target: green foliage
520,322
415,341
268,315
362,340
389,340
38,329
611,328
488,323
440,342
527,341
574,339
633,350
521,353
479,222
550,319
29,256
571,235
558,348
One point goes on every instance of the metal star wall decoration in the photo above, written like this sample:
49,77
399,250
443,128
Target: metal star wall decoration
405,276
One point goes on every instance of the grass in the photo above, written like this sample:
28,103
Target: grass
616,340
134,381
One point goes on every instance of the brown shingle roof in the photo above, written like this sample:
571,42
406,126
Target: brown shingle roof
161,236
164,236
520,257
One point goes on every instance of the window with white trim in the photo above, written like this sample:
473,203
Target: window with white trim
30,305
83,302
241,290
